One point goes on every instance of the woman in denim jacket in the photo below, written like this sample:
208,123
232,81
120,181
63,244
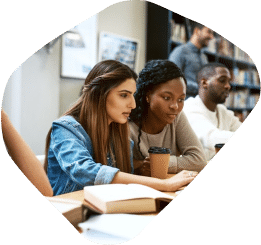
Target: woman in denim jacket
90,144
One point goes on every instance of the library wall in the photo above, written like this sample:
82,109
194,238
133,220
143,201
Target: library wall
125,19
31,99
35,94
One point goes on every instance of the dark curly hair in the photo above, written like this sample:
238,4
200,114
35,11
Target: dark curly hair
154,73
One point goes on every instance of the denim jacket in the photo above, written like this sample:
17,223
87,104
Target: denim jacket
70,159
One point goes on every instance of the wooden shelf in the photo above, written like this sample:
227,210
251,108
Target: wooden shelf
160,44
240,109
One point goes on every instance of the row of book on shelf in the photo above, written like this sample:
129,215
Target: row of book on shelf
178,32
223,47
246,77
241,99
219,44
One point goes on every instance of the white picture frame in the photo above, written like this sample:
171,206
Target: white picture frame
120,48
79,50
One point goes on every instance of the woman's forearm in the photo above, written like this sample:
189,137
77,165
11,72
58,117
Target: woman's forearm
170,184
125,178
24,157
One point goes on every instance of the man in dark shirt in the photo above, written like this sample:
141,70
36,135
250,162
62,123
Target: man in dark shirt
190,58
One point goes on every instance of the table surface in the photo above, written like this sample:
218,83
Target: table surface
79,196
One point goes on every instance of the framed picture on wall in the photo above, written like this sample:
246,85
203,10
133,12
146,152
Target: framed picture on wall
79,50
116,47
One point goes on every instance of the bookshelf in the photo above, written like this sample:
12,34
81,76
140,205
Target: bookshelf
166,30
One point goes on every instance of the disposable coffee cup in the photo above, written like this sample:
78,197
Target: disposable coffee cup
159,161
218,147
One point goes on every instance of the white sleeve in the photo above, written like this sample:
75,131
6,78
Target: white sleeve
208,133
235,123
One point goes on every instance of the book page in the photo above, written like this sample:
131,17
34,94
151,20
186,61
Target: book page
64,205
133,224
102,238
149,192
114,192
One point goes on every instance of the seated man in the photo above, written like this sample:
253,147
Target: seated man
212,122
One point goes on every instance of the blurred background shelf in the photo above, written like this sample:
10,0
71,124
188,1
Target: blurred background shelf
170,30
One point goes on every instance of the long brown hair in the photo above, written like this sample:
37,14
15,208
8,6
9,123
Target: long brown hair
90,111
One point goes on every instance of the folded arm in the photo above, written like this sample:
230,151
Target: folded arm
192,156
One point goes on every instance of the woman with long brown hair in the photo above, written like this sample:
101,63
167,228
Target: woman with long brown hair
90,144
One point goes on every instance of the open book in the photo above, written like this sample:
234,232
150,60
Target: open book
72,210
124,198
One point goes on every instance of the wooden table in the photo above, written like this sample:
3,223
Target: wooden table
79,196
76,195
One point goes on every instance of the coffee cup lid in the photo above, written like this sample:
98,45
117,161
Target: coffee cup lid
159,150
219,145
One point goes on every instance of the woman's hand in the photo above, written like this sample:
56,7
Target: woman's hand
181,179
172,184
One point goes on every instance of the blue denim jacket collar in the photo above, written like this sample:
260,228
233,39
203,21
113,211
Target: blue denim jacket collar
70,158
